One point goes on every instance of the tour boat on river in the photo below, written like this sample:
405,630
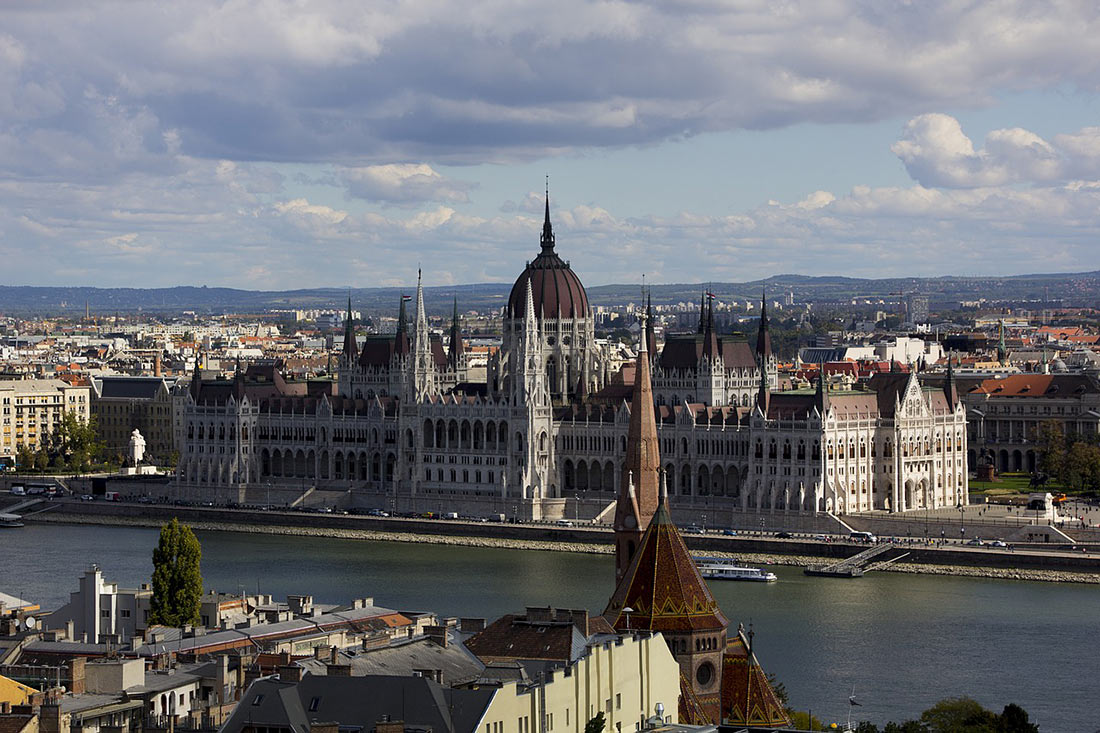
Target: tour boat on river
723,569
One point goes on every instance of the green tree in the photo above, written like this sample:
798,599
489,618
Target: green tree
1014,719
959,715
909,726
595,725
73,444
802,720
1052,448
1082,467
24,458
177,579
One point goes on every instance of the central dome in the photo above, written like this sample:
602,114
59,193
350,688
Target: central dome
556,289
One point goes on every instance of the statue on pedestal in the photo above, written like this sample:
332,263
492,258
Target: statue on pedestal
136,449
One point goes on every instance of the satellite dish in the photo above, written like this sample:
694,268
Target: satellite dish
30,622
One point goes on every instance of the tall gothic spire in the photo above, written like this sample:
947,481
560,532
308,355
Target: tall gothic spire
949,389
763,336
702,311
196,378
547,239
455,348
822,398
423,362
710,336
650,332
401,341
351,348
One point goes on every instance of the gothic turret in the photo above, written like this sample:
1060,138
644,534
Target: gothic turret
710,335
455,349
401,340
949,390
423,376
351,348
196,379
822,398
763,336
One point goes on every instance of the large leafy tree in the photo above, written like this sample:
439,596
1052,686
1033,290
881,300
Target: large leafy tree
177,579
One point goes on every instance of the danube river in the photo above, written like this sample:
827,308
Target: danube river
901,642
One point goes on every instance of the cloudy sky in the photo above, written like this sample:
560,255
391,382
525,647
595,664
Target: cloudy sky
278,144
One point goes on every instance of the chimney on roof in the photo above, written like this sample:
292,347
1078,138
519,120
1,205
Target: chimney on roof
471,625
338,670
437,634
539,614
289,673
577,616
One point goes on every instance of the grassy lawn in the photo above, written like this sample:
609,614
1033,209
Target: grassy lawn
1010,483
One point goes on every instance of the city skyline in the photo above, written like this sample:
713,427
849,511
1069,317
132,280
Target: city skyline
261,145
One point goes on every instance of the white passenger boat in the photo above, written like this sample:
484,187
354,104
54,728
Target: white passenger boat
722,569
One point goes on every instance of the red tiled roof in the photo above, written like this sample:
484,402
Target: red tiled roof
747,697
663,586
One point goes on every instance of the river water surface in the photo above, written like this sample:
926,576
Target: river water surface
900,641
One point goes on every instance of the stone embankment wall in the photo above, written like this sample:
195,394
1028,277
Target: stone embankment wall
997,563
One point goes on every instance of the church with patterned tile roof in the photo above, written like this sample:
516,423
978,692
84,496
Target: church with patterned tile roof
659,589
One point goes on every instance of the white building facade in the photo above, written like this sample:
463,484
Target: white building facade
543,437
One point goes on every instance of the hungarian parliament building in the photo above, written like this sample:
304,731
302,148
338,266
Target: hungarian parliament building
543,434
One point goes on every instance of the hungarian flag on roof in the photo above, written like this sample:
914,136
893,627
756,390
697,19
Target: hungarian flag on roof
406,298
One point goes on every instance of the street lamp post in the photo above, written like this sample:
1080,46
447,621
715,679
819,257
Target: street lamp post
628,610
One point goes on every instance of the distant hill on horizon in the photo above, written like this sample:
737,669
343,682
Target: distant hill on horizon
1073,288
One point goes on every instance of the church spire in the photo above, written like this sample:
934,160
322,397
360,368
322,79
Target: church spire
547,239
650,332
455,348
710,337
638,492
763,336
702,311
351,348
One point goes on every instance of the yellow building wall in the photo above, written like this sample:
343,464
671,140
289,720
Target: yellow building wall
15,693
625,679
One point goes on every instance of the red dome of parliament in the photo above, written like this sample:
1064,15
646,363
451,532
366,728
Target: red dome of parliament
556,289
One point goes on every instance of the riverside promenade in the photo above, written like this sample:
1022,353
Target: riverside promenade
1045,562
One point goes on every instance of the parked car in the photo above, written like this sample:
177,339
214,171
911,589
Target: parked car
784,535
998,543
693,530
18,490
87,497
976,542
729,532
564,523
